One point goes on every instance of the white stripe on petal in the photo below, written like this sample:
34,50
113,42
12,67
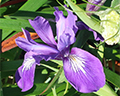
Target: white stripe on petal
77,63
28,63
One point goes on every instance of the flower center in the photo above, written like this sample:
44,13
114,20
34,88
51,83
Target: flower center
28,63
77,63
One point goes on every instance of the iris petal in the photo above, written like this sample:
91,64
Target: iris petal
25,73
62,23
35,47
70,21
43,29
27,36
66,39
84,71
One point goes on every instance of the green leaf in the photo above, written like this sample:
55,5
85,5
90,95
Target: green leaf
88,94
62,77
5,33
9,54
10,65
32,5
59,62
2,10
112,53
59,90
52,68
82,37
46,13
13,24
100,51
53,80
32,15
112,77
9,25
115,3
106,90
54,91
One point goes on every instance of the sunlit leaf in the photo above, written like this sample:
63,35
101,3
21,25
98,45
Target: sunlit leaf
106,91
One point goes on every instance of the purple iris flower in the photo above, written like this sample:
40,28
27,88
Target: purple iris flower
82,70
82,26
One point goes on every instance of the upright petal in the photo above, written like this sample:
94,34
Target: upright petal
43,29
25,73
71,21
66,39
84,71
82,26
62,22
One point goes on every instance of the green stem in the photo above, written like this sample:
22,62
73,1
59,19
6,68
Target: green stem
67,85
52,68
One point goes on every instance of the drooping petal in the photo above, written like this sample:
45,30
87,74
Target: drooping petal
82,26
43,29
62,22
66,39
35,47
25,74
83,71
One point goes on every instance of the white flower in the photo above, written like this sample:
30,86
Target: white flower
110,21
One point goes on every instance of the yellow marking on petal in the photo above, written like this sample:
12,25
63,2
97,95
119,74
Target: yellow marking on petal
77,63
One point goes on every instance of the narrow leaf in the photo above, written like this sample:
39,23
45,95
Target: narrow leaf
106,91
112,77
32,5
53,80
115,3
11,2
52,68
9,25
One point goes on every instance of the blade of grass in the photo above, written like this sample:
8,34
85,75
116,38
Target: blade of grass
32,5
11,3
53,80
